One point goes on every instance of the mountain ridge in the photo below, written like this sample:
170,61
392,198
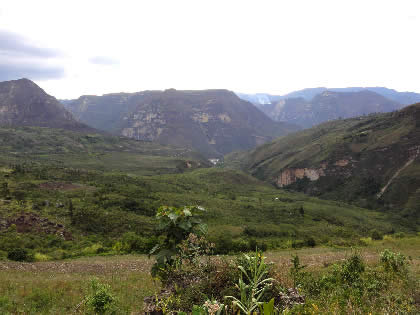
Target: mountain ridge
214,122
23,103
327,105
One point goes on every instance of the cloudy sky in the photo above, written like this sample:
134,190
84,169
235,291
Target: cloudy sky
71,48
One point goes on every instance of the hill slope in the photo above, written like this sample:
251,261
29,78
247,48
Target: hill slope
214,122
23,103
93,151
373,160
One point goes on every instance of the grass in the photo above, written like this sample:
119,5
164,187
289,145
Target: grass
239,207
93,151
59,287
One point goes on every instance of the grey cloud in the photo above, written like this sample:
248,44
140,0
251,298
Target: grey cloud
19,58
102,60
32,71
16,45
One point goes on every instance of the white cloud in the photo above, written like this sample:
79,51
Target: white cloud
248,46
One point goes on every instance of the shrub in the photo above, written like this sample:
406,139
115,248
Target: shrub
92,250
175,224
3,255
366,241
351,270
376,235
20,254
399,235
101,299
388,238
131,242
224,243
40,257
310,242
393,262
298,244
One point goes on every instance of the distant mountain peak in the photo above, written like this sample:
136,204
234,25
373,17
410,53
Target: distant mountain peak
24,103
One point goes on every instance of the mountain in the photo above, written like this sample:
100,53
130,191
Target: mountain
405,98
23,103
214,122
307,108
372,160
259,98
330,105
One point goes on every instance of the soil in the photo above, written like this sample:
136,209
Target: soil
59,186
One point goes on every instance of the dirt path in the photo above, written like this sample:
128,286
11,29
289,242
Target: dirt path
90,265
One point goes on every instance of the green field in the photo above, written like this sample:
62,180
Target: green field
59,287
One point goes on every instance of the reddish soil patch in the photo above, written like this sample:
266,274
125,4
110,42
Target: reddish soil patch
33,223
59,186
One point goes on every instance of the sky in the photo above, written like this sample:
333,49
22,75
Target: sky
73,48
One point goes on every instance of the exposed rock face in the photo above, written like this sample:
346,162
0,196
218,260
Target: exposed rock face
342,163
23,103
289,176
214,122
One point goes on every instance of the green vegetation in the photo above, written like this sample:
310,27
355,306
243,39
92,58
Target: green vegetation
387,286
66,227
63,148
354,158
64,212
62,286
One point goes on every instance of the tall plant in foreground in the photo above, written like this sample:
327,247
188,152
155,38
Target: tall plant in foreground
175,225
256,282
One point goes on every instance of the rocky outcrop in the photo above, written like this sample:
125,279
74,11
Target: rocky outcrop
289,176
213,122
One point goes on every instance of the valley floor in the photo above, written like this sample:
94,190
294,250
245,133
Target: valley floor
60,287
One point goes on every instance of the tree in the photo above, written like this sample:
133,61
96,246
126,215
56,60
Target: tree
175,225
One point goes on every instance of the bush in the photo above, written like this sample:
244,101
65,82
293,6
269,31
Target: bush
366,241
92,250
393,262
376,235
20,254
101,299
310,242
40,257
131,242
351,270
399,235
3,255
298,244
